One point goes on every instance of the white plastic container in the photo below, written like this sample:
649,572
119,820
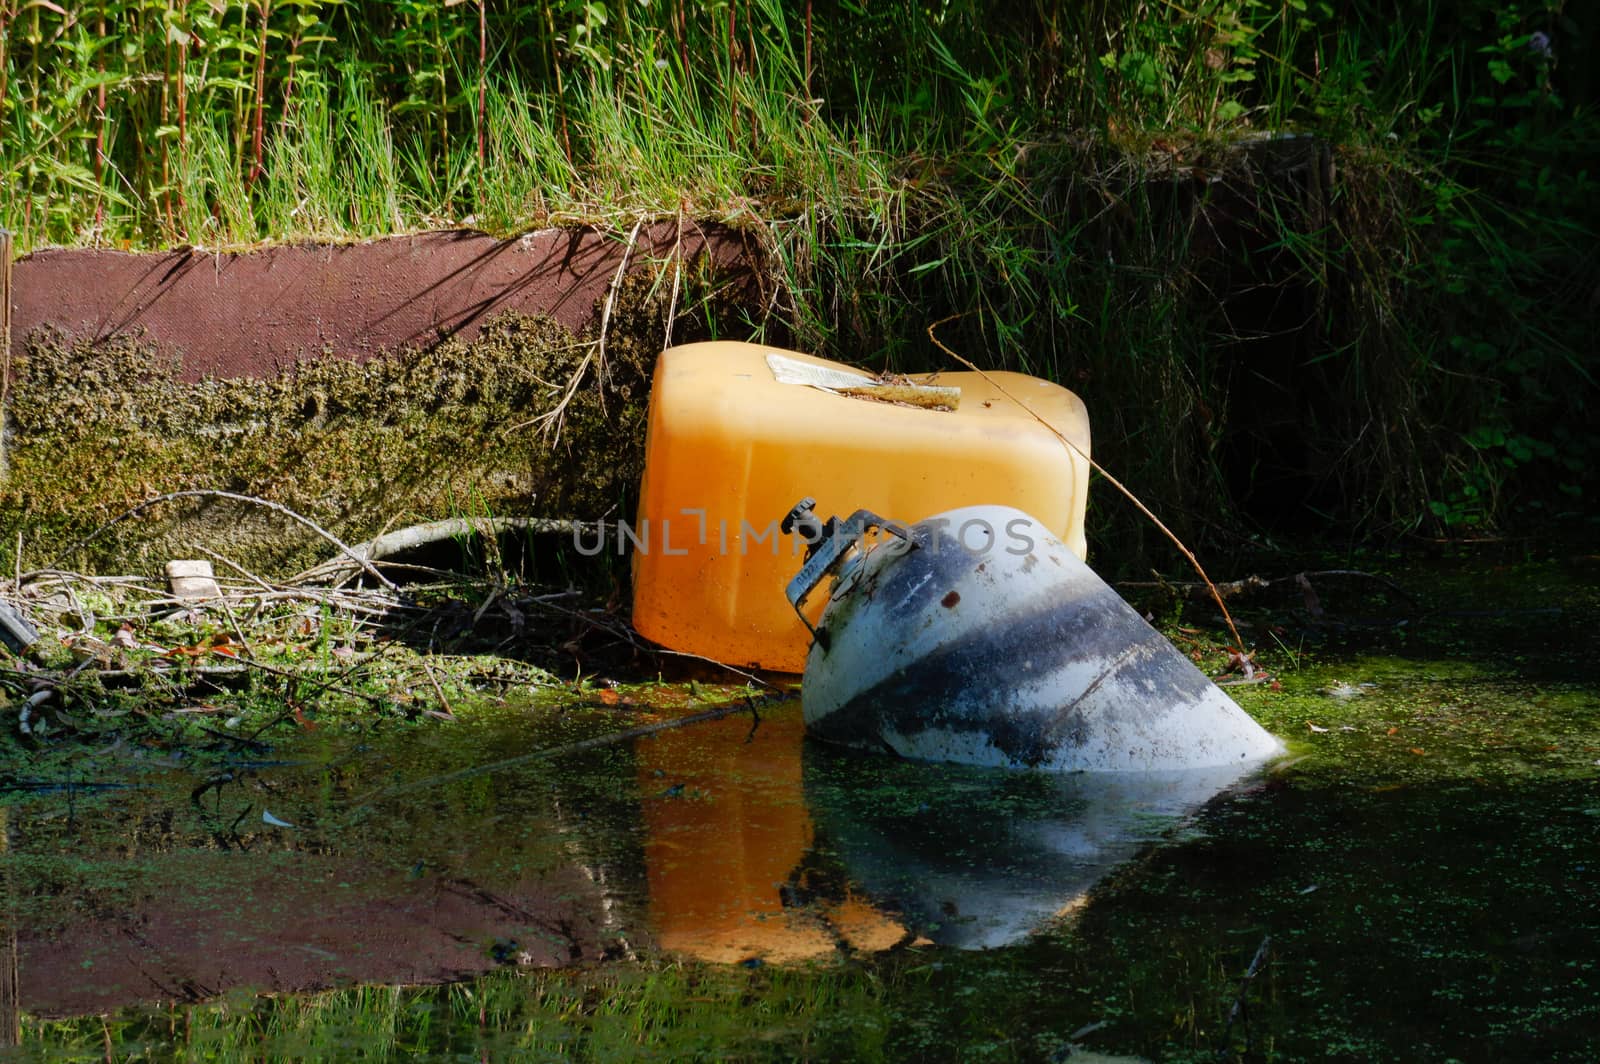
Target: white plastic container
982,639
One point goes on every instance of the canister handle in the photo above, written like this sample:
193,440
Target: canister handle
827,544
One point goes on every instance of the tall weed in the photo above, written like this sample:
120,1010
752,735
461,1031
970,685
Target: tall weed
1101,191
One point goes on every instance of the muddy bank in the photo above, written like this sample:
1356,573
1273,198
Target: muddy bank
461,388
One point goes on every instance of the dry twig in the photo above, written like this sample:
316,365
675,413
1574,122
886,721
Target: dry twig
1239,1008
611,302
557,751
209,493
412,537
1114,482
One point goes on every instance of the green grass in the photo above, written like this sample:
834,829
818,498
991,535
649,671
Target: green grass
1081,184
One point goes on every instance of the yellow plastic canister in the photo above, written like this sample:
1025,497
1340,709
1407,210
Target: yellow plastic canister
731,447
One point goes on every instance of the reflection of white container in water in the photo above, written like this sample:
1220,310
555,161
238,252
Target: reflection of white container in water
978,858
979,638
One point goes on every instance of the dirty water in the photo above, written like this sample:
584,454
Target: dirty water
731,841
1418,879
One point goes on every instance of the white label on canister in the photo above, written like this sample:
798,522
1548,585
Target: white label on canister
787,370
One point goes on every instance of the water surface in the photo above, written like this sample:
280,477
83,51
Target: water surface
1422,869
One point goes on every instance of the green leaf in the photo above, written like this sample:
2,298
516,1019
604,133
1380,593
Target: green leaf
1141,69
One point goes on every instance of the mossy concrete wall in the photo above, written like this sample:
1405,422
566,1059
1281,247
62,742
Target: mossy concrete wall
358,438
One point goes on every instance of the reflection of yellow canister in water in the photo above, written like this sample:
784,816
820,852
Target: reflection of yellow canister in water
725,828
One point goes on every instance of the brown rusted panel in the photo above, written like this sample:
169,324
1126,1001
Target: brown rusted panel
330,922
245,314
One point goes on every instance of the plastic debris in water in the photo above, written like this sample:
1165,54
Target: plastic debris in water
976,636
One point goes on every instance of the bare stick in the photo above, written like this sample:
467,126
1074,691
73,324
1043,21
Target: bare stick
554,751
414,536
226,606
207,493
551,420
243,665
1233,587
25,714
750,676
1244,985
84,616
238,631
1187,553
137,583
235,566
677,278
488,602
341,600
611,302
434,680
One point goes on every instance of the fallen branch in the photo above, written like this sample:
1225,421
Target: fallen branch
338,598
1252,583
208,493
444,703
33,702
63,575
43,695
363,555
747,706
235,566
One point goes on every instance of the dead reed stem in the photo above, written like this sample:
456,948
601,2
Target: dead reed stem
611,302
276,507
1216,596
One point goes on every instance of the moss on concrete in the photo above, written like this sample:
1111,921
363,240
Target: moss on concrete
96,427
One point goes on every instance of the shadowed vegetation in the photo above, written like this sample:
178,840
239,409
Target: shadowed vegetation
1308,263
